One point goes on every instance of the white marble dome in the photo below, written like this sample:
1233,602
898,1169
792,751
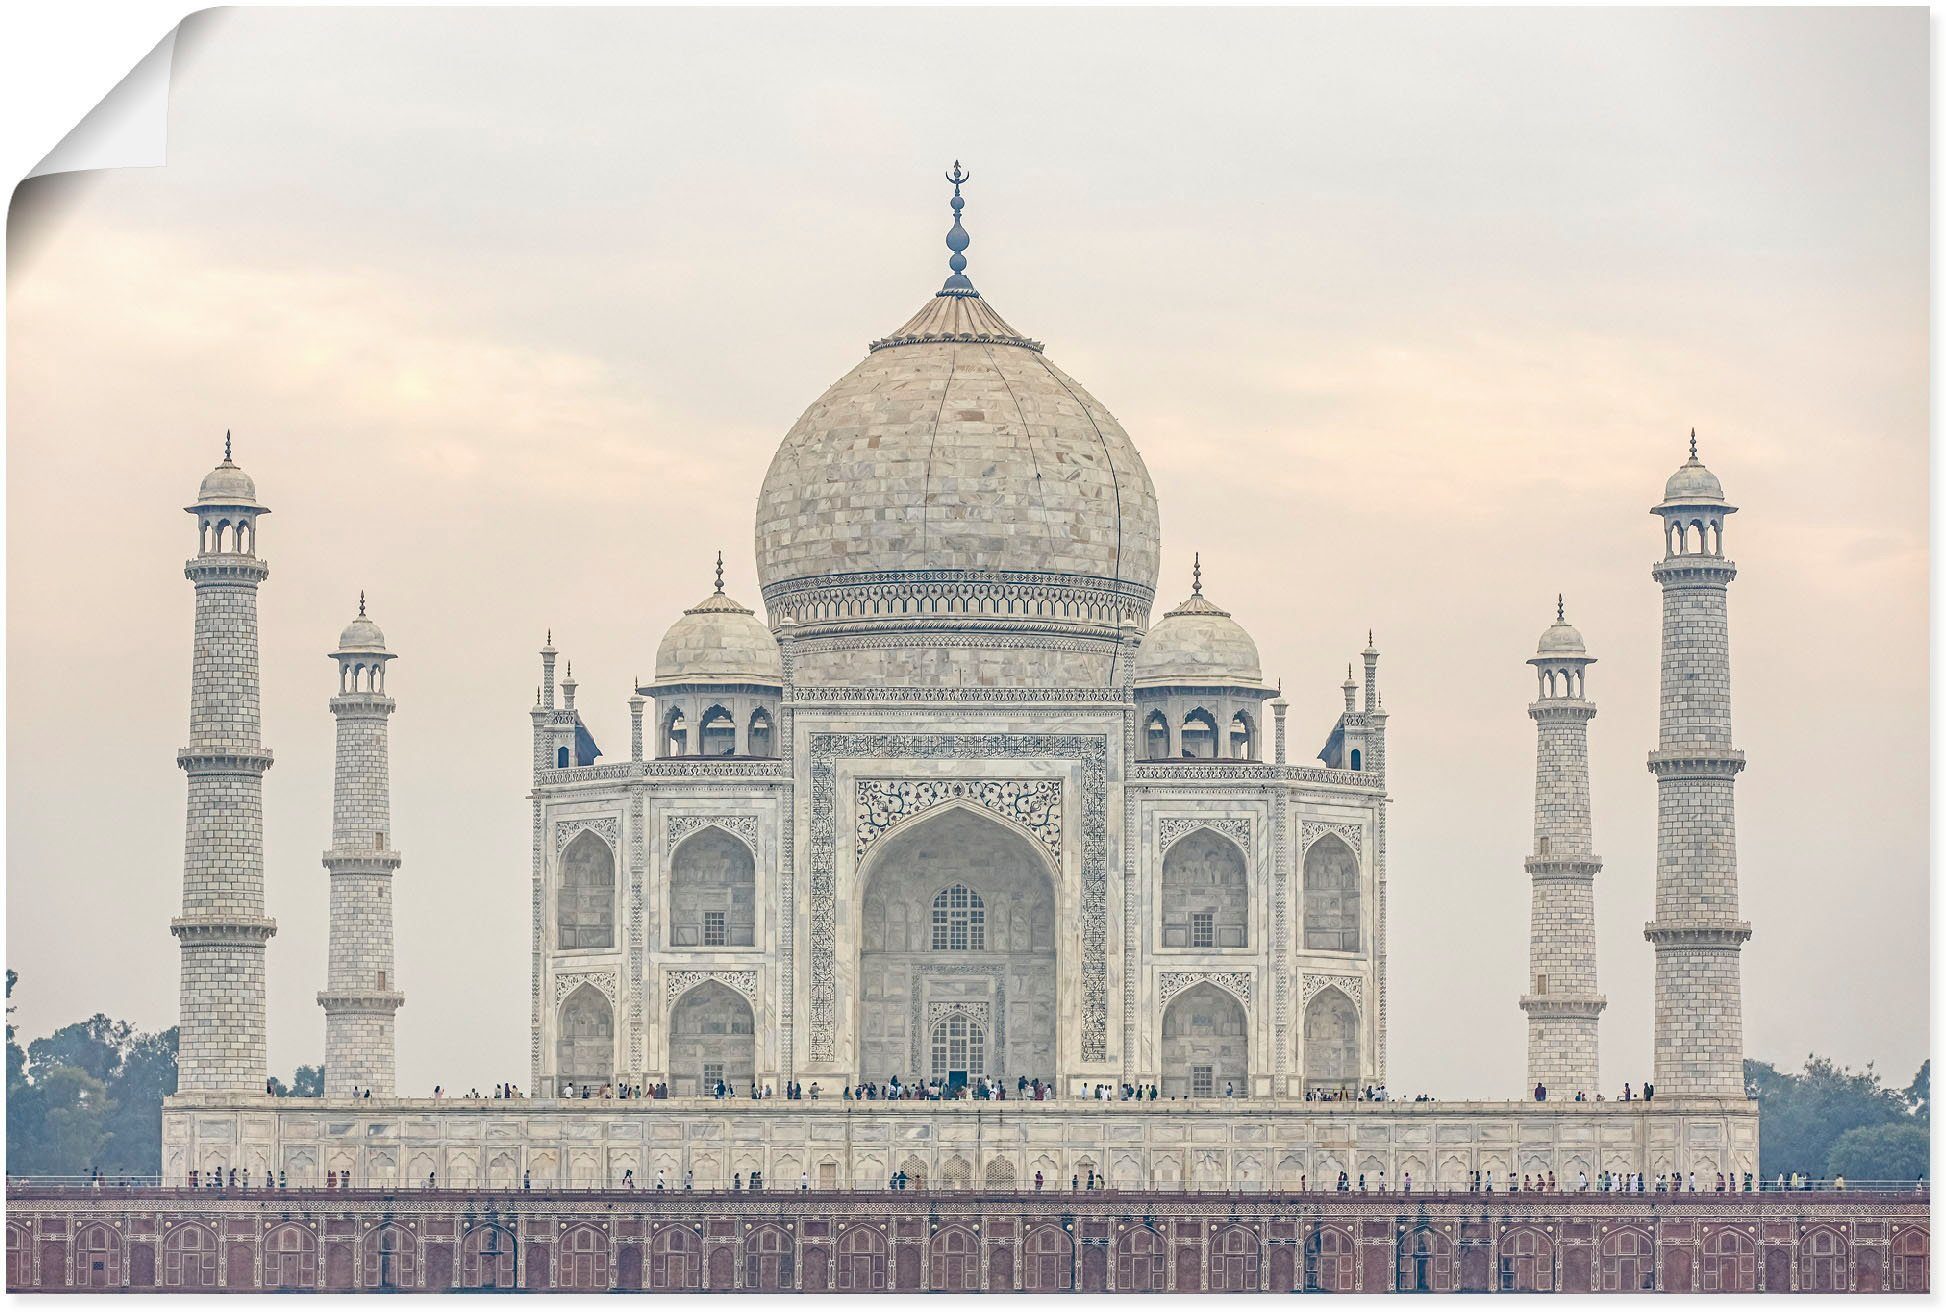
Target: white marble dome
227,485
956,448
1562,639
1197,643
718,640
361,635
1693,484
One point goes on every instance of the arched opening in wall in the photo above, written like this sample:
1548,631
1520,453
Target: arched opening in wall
1331,1043
1198,735
957,911
1243,738
712,1039
1205,895
1729,1262
1912,1261
189,1257
1047,1260
1331,896
1716,538
585,1050
1205,1045
486,1258
98,1257
719,730
1426,1262
585,905
1357,759
391,1258
675,733
712,892
1330,1258
1526,1262
959,1048
561,761
763,734
1235,1260
1155,737
860,1260
675,1259
290,1258
1824,1265
1627,1262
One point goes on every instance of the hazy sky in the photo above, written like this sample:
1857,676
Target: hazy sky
1410,313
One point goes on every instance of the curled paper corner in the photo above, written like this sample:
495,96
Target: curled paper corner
129,128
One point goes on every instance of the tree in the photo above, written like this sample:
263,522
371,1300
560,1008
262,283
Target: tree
308,1082
1881,1152
1918,1094
1802,1116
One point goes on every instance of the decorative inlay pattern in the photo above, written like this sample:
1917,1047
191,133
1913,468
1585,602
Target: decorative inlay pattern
1168,830
603,980
1352,986
608,828
678,982
1033,804
1237,983
637,911
1353,834
1089,751
814,694
682,826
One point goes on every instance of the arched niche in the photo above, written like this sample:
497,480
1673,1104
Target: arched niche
712,1036
958,908
1205,1044
1205,893
585,1046
1331,896
1331,1059
712,891
585,905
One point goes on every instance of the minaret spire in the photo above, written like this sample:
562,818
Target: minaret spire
226,447
719,572
957,241
1196,576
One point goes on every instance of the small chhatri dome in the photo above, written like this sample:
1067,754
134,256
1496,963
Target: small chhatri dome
1197,643
227,484
1562,638
718,640
1693,484
361,635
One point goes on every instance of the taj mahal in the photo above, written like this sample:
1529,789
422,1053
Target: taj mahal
970,795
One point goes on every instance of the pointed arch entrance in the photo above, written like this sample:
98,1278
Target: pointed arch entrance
712,1037
957,954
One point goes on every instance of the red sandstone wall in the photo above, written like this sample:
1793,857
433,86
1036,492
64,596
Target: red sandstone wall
178,1240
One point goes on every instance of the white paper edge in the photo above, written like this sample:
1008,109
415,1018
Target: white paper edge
129,128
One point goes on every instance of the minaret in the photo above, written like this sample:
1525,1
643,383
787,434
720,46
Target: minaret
1697,935
359,998
1563,1009
222,930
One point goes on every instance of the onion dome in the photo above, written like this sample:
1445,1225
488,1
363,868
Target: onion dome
1197,643
361,635
1561,638
1693,484
228,485
718,640
956,470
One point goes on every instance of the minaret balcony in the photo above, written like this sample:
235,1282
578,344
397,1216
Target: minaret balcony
1572,868
1697,933
1697,762
373,1002
1694,571
1564,1006
223,931
370,862
225,568
224,760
